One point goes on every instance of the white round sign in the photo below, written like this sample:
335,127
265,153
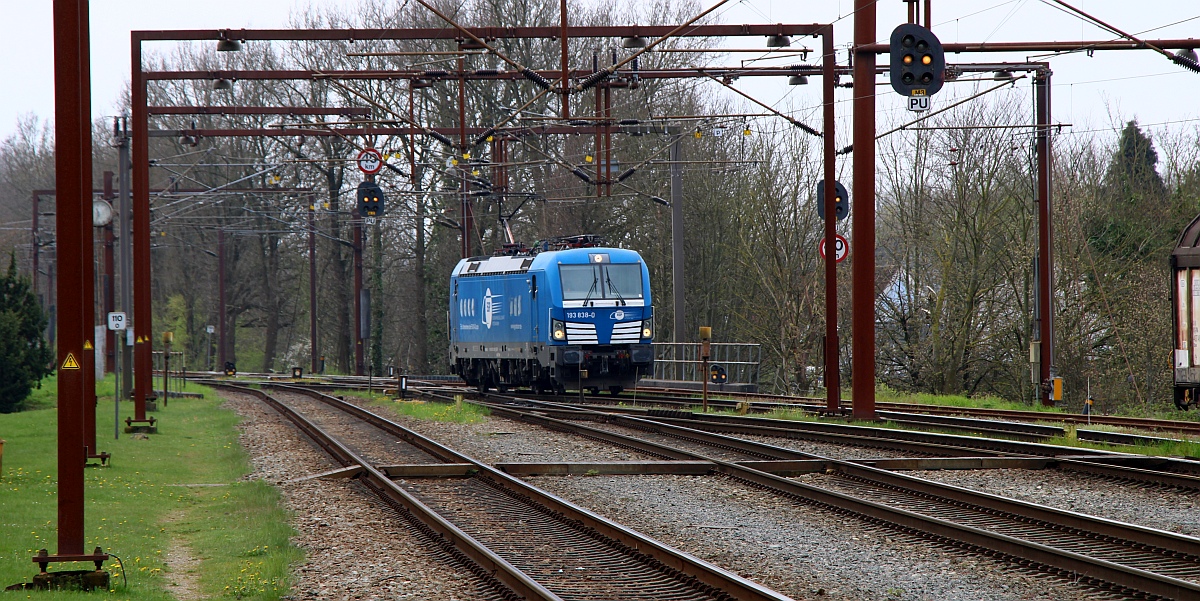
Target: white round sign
102,213
370,161
841,248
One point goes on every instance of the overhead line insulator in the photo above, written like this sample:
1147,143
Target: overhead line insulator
1185,62
581,174
594,79
533,76
441,138
484,136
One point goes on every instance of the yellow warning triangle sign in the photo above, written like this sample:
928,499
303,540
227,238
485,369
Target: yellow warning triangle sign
87,345
70,362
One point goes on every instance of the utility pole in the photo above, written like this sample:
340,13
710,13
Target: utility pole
221,326
359,366
73,184
35,245
1045,296
863,213
108,284
139,141
312,284
125,249
376,309
832,367
677,238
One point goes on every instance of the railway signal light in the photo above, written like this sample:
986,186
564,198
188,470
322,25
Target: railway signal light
918,63
717,375
370,199
841,209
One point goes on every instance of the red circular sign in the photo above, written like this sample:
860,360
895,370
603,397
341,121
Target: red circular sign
370,161
841,246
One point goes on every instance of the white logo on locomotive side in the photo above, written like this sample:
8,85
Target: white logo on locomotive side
618,315
491,307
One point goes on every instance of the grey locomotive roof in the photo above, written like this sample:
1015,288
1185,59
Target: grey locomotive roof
494,265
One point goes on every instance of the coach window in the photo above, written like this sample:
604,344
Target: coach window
580,281
623,281
609,281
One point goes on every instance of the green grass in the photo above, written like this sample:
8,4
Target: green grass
142,502
459,412
46,396
462,413
886,395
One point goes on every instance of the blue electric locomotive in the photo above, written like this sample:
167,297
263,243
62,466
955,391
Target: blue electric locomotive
576,318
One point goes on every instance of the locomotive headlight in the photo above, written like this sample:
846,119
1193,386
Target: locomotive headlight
647,328
558,329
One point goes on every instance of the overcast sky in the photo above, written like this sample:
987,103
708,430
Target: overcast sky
1088,91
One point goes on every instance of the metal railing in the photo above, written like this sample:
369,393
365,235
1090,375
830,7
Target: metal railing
681,361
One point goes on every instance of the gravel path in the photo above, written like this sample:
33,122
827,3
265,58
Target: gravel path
357,548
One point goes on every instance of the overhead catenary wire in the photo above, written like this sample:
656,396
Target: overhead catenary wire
1011,82
1178,59
789,119
608,71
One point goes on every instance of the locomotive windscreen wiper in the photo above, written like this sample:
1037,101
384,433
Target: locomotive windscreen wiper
608,282
595,280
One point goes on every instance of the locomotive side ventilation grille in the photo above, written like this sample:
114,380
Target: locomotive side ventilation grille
581,333
627,332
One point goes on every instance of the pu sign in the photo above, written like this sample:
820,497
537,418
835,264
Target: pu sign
918,104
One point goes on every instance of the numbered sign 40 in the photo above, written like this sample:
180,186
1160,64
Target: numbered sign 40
841,248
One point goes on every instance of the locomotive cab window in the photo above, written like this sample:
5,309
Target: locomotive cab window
606,281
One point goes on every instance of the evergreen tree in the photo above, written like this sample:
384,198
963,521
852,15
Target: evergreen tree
1135,208
25,356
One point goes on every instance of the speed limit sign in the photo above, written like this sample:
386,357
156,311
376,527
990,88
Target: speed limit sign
116,321
370,161
840,246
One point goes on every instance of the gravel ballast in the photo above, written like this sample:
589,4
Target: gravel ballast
799,550
356,547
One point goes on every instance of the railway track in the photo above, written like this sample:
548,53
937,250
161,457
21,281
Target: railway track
531,544
1140,469
1110,555
1183,473
767,402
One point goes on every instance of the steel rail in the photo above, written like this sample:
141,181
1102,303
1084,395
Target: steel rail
1182,474
1020,430
1160,425
1152,470
490,563
703,572
755,449
768,401
1185,549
